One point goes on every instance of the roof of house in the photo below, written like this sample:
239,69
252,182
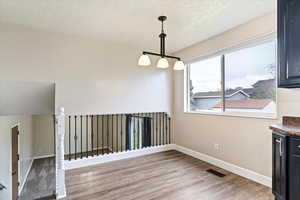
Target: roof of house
228,93
231,92
245,104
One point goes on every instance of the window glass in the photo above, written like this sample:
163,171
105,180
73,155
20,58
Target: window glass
205,84
250,83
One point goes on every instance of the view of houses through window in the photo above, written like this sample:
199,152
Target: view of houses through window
249,81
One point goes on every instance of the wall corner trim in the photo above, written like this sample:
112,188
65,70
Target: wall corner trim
246,173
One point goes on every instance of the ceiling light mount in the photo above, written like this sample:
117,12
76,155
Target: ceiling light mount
162,62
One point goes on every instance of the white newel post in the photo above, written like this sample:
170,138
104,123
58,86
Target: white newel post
60,168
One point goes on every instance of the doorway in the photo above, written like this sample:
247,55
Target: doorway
15,162
138,134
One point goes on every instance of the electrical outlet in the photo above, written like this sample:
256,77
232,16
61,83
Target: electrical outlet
217,146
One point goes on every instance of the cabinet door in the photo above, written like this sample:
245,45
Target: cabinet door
294,177
289,43
279,166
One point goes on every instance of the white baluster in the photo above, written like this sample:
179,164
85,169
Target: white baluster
60,169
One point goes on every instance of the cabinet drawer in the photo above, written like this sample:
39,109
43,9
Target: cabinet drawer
295,146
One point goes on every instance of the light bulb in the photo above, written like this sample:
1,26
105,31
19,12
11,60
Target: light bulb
162,63
179,65
144,60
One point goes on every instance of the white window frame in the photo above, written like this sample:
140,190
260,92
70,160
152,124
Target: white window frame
251,43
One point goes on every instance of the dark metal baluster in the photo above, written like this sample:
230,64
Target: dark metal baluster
169,130
75,137
107,133
164,125
102,133
87,136
163,128
166,128
138,136
134,131
122,132
117,129
156,123
151,127
152,130
112,133
92,134
69,137
97,135
80,136
159,117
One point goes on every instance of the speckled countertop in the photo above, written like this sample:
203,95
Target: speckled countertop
290,125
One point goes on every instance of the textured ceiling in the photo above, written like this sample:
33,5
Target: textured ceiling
134,22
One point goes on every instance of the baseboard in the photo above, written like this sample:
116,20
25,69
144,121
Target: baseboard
45,156
84,162
264,180
26,176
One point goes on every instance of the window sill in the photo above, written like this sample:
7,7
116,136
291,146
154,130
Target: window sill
272,116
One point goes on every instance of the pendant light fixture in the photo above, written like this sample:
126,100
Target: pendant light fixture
163,63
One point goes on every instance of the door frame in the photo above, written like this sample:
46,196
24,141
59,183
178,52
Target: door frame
19,170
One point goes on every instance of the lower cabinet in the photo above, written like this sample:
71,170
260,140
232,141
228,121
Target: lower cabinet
279,185
286,166
294,169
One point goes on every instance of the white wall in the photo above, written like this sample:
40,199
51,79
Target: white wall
245,142
92,77
25,150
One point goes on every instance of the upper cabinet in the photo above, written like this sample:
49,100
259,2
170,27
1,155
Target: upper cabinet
289,43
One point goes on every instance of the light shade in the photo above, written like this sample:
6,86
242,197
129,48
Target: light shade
179,65
162,63
144,60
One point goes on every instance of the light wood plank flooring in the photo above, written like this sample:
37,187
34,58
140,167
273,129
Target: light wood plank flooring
163,176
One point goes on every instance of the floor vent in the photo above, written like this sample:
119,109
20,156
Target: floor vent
216,173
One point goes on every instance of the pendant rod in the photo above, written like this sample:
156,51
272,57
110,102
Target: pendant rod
162,36
162,44
160,55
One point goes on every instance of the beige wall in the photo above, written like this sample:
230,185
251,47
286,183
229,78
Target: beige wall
245,142
25,149
43,135
92,77
26,97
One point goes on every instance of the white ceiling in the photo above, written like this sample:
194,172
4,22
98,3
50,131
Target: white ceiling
134,22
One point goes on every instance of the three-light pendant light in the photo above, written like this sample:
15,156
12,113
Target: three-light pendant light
163,63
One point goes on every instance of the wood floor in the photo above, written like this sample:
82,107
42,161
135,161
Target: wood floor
163,176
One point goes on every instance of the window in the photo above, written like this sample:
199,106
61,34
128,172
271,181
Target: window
205,84
241,82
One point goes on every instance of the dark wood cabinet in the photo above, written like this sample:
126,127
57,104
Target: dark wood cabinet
286,166
288,43
294,169
279,185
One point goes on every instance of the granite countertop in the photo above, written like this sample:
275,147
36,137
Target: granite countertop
290,125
